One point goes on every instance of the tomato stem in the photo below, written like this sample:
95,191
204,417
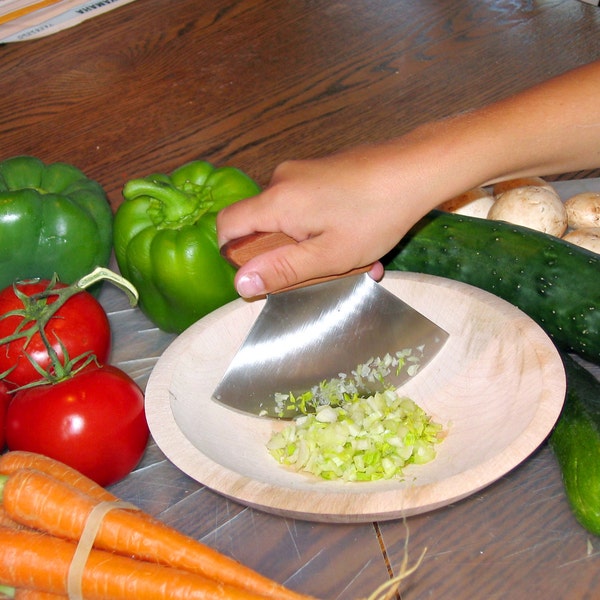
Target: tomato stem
102,273
35,308
37,313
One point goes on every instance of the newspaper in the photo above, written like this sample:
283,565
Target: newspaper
22,20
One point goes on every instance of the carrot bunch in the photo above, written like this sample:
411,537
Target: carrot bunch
45,508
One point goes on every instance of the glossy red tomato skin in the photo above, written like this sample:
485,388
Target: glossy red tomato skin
4,401
94,422
81,325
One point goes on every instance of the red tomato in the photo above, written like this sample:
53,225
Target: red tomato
94,421
4,400
81,325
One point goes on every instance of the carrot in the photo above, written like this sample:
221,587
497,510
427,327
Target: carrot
6,521
25,594
42,502
6,592
38,561
15,460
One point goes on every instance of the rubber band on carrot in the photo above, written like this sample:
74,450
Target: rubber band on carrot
39,561
86,543
39,501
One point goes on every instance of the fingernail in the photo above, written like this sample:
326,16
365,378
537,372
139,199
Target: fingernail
250,285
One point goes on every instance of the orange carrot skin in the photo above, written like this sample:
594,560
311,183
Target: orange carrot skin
6,521
15,460
24,594
41,502
41,562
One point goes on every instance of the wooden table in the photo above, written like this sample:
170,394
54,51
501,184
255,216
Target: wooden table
154,84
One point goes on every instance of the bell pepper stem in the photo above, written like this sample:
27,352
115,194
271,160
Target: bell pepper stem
177,203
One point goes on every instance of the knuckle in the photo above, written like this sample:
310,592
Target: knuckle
284,271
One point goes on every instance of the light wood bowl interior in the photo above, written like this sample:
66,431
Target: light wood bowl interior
497,386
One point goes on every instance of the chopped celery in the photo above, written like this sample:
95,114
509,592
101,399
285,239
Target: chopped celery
334,392
358,439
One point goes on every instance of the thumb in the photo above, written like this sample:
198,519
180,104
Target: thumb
270,262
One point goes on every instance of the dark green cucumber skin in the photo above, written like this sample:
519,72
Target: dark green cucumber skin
556,283
575,442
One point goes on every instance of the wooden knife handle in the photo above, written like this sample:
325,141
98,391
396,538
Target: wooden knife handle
239,251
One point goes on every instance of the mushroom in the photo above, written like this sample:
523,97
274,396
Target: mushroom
504,186
583,210
586,237
473,203
533,206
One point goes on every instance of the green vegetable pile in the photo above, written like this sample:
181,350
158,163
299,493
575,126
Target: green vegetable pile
362,439
335,391
344,433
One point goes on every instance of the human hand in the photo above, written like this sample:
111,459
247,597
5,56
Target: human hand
350,209
340,209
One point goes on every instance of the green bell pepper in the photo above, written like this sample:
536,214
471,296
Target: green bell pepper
165,241
53,220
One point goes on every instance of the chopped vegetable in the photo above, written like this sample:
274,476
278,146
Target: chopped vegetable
333,392
345,433
361,439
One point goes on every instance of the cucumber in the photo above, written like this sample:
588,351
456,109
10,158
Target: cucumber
554,282
575,442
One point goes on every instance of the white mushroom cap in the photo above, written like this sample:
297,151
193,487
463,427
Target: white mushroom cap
510,184
473,203
535,207
583,210
586,237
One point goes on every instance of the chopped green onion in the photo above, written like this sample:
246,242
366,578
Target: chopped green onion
358,439
334,392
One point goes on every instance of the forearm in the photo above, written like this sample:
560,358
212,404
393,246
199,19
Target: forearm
548,129
349,209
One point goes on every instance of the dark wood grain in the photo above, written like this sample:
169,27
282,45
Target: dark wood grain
153,84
